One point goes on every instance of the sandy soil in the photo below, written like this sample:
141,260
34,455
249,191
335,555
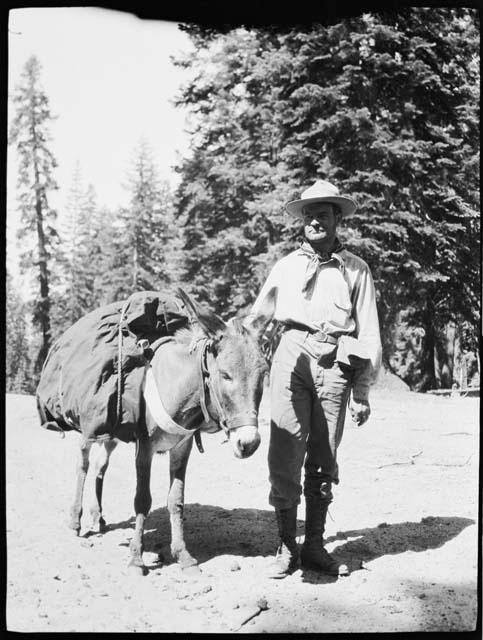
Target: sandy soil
404,519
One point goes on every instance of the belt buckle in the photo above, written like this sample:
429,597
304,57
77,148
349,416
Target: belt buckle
322,336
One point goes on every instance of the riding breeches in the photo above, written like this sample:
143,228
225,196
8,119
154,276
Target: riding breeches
309,391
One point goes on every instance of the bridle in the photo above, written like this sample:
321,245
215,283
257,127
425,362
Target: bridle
205,346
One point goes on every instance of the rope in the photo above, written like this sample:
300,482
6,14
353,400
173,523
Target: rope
119,363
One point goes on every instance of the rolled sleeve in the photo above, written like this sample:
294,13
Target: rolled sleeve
367,330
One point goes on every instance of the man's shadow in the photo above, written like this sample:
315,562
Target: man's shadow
212,531
365,545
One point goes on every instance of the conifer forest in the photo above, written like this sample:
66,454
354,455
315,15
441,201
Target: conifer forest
384,105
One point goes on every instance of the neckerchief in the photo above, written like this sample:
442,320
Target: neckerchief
315,260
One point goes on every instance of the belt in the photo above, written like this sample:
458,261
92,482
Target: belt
318,334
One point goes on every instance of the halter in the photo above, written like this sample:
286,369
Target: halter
203,346
206,384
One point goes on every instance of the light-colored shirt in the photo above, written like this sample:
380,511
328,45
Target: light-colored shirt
341,303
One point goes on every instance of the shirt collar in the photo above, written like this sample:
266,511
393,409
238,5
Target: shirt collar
336,253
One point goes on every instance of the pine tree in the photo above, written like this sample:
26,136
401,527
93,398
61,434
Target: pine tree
18,365
75,275
405,102
139,260
106,257
90,222
233,185
385,106
29,132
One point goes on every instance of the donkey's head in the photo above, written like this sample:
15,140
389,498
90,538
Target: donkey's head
235,369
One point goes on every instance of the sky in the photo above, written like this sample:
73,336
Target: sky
110,82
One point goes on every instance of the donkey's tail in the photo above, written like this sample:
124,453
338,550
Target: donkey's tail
53,426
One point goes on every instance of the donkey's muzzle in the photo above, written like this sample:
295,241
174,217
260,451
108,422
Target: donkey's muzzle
245,440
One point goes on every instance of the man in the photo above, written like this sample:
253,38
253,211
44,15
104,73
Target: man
330,350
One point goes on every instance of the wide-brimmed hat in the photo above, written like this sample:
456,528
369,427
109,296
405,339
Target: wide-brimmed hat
322,191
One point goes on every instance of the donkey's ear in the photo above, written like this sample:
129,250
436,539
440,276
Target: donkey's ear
211,324
235,325
264,314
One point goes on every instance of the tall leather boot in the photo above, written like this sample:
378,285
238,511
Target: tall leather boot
313,554
287,555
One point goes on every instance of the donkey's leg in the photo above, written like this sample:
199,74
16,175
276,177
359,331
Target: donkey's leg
82,466
178,460
142,502
101,463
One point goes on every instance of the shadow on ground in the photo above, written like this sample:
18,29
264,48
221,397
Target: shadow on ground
390,539
213,531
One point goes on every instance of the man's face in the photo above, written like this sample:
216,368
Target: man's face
320,222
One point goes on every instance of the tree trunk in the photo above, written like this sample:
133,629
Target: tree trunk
389,319
463,372
135,268
444,352
428,351
43,309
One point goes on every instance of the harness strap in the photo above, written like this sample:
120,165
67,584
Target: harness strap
159,413
157,343
153,348
199,444
244,419
240,420
156,407
202,372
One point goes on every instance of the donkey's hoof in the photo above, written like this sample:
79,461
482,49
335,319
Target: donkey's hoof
191,570
73,530
186,560
98,526
136,569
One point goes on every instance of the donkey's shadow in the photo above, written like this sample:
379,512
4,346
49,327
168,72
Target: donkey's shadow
212,531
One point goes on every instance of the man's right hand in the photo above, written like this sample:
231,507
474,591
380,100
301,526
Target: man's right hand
360,411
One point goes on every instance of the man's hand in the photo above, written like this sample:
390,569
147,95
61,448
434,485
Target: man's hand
360,411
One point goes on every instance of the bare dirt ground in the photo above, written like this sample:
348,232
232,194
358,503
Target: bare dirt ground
404,519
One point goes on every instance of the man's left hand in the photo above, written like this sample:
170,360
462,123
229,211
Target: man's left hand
360,411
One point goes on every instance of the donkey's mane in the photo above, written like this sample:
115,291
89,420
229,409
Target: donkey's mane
185,335
190,337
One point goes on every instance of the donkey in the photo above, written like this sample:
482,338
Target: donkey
207,377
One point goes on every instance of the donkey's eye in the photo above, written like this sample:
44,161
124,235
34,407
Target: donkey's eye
225,375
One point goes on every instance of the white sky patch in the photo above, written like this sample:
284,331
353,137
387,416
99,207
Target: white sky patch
110,82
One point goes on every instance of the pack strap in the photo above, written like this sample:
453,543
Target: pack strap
142,344
156,407
159,413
